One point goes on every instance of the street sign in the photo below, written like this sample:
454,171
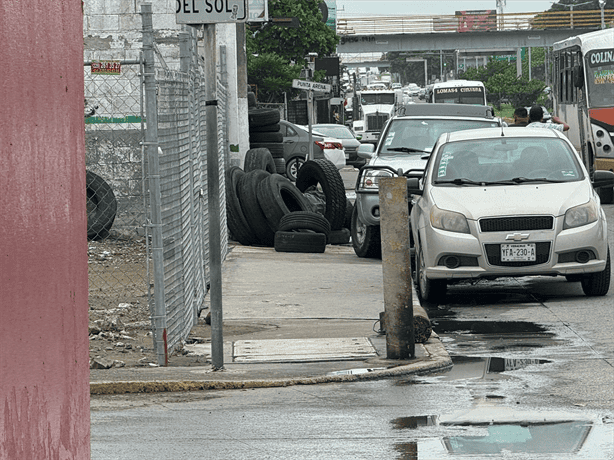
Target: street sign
311,86
211,11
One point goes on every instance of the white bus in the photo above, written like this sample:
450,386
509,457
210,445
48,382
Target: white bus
458,92
584,97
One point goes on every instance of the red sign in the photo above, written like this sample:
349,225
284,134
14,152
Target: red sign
106,67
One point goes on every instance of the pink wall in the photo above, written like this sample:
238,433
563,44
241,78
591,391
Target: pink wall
44,371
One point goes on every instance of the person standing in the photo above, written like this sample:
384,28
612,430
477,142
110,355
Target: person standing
536,120
521,117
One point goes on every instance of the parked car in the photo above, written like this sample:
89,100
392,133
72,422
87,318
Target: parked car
348,140
296,147
405,144
508,203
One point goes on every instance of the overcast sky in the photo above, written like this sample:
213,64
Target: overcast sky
348,8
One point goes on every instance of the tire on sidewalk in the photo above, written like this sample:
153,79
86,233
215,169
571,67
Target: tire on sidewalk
266,137
237,224
101,206
324,174
261,117
305,220
338,237
276,148
257,221
277,196
259,159
280,165
300,242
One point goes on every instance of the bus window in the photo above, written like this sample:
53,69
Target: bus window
600,77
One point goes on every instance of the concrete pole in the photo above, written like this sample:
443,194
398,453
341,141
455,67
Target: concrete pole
398,307
213,190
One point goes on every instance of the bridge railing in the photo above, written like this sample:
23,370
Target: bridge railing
469,21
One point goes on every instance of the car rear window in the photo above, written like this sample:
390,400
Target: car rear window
421,134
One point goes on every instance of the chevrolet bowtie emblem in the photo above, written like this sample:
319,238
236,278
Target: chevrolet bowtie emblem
517,236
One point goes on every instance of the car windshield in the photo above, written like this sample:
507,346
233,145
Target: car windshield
501,161
338,132
377,98
421,134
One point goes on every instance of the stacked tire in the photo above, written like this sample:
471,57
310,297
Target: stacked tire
264,132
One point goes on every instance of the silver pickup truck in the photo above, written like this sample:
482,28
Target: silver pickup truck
404,148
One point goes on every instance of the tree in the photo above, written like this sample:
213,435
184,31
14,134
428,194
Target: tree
276,54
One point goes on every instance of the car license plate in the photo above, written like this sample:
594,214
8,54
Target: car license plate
518,252
347,155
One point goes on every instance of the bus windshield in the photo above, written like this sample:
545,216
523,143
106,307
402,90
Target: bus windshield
600,77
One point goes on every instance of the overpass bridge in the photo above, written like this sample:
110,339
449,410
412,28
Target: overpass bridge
467,31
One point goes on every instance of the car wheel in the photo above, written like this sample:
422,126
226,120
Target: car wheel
428,290
366,239
292,167
101,206
597,284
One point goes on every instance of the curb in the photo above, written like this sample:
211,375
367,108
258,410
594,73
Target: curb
439,360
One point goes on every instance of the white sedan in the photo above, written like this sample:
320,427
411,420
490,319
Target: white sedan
499,202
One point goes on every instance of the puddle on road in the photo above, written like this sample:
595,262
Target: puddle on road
443,326
488,430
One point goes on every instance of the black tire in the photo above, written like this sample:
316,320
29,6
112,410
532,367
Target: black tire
366,239
266,137
349,208
304,220
276,149
293,166
433,291
300,242
280,165
597,284
251,100
277,196
237,224
273,128
101,206
323,174
339,236
261,117
256,220
259,159
606,194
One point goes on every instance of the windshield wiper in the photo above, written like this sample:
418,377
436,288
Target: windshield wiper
406,150
521,180
460,181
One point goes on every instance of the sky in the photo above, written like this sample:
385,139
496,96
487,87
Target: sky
353,8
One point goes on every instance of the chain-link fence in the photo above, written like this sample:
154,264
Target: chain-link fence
149,228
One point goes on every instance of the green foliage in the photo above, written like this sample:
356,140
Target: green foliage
276,54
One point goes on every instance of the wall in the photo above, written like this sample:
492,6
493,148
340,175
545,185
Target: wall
44,359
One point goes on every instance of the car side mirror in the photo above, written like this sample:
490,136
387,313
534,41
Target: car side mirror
413,186
603,179
365,151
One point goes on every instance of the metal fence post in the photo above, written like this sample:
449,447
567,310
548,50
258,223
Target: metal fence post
151,148
399,314
213,189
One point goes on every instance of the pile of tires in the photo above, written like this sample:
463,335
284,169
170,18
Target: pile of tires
264,132
263,208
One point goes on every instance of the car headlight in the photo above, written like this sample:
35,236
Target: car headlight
370,180
449,221
581,215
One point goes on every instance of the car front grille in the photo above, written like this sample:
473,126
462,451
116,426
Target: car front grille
375,122
351,151
542,255
509,224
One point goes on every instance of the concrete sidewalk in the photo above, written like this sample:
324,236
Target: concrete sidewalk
293,319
